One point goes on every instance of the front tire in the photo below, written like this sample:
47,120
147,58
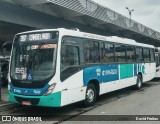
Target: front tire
90,96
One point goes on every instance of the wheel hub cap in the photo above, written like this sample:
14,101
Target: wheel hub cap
90,95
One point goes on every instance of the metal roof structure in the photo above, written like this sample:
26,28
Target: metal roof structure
104,18
86,15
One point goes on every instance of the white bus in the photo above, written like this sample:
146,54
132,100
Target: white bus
58,67
157,55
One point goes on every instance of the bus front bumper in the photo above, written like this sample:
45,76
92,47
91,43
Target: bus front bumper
52,100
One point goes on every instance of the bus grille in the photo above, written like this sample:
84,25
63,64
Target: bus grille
34,101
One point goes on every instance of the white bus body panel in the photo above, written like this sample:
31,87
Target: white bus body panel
73,89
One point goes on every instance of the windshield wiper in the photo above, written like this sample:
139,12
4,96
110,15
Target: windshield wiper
21,50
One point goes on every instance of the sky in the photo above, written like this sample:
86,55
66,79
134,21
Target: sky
146,12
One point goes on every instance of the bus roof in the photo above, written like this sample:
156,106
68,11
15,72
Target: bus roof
77,33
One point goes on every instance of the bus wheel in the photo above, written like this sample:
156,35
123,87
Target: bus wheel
90,96
138,85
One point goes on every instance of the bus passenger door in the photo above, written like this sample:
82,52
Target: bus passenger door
71,72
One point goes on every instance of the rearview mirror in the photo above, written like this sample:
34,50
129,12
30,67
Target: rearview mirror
6,47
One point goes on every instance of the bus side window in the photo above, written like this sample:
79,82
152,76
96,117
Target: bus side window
120,53
69,56
91,52
152,55
139,54
130,54
146,55
107,52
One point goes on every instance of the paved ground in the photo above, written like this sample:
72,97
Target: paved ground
145,102
123,102
4,94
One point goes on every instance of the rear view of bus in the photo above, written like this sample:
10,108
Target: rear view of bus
32,67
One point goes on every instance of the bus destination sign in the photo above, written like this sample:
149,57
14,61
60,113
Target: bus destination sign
35,37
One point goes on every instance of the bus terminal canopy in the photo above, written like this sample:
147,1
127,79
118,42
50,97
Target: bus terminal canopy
93,14
86,14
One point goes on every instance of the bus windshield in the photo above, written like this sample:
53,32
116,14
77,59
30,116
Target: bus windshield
33,60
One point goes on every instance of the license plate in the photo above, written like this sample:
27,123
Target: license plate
26,103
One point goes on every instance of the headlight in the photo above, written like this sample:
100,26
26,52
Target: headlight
50,89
